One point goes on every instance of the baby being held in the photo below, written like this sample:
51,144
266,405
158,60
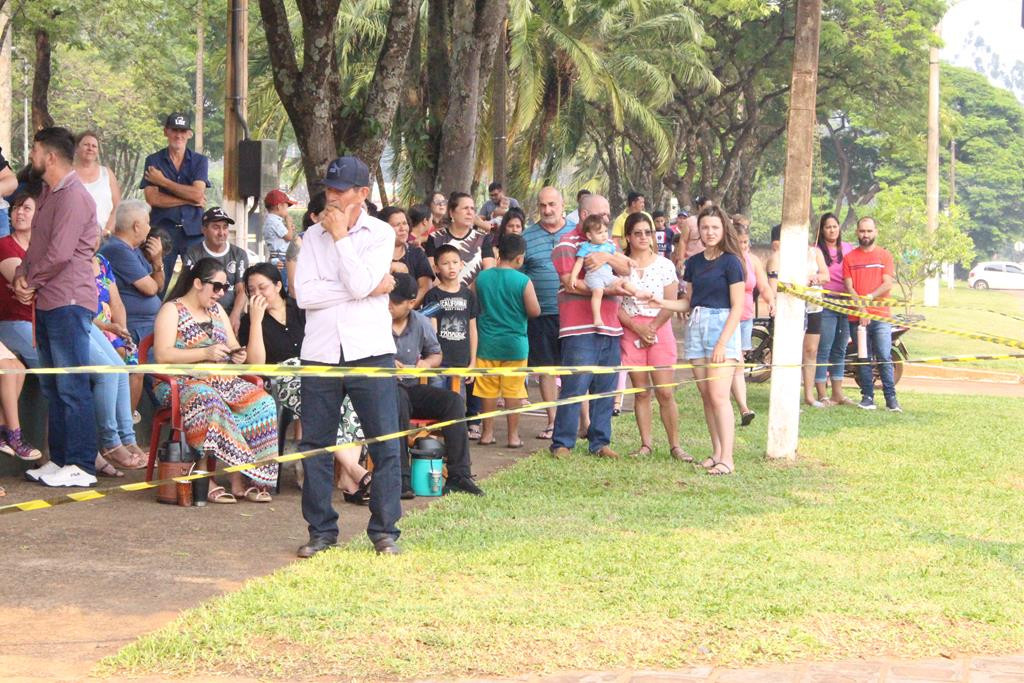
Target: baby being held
603,277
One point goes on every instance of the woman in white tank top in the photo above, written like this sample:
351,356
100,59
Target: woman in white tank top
98,180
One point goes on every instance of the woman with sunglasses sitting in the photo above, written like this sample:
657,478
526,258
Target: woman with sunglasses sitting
227,417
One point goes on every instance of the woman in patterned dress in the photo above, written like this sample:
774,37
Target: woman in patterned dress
227,417
272,332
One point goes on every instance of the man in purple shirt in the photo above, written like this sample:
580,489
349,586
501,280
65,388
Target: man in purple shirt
56,276
342,279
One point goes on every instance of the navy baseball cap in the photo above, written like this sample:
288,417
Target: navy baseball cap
346,172
178,121
405,288
216,213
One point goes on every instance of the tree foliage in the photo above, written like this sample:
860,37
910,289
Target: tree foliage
901,216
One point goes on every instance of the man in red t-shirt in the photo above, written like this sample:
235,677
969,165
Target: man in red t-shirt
583,343
869,273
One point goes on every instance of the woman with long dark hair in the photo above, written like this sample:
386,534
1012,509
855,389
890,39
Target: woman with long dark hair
647,337
513,222
715,301
272,332
835,327
226,417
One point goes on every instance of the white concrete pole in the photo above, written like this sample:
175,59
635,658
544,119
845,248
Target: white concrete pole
784,406
931,285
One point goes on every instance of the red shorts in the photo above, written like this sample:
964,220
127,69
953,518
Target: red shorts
662,352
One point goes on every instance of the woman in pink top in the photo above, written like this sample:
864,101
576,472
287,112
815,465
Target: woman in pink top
835,327
756,277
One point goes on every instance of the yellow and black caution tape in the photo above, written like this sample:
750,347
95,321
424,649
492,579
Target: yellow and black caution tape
800,292
96,494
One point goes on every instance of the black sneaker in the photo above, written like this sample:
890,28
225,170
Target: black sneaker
893,405
461,485
867,404
408,493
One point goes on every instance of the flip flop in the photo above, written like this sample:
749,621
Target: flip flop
643,450
708,463
481,442
715,472
515,445
547,434
747,418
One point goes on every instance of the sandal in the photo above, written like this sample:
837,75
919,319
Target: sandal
218,494
254,494
547,434
122,457
643,450
716,472
845,401
517,444
489,442
474,431
708,463
747,418
105,469
678,453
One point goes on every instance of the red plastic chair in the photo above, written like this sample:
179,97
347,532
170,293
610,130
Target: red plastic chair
172,414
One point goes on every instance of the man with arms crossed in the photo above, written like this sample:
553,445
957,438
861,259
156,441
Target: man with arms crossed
342,280
174,184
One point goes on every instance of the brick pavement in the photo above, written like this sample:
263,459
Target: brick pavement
1008,669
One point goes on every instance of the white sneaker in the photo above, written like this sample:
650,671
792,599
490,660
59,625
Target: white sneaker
69,475
35,474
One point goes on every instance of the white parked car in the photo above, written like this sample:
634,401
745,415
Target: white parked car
996,275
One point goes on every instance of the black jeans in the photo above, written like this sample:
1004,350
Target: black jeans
424,402
374,400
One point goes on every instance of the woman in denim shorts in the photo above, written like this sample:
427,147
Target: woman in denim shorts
715,301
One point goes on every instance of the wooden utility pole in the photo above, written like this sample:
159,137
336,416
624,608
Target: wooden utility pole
931,285
200,95
498,99
784,406
235,129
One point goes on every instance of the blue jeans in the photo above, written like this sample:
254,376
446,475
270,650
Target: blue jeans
62,335
16,335
111,394
880,350
180,243
587,349
375,400
835,336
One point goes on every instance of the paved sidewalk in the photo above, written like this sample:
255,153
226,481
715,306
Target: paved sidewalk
1009,669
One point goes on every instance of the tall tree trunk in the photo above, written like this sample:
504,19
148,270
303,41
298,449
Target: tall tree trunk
311,95
475,27
368,134
41,83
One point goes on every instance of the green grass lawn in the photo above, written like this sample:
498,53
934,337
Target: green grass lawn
963,309
892,534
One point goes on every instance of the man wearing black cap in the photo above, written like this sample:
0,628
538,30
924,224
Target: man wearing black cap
234,259
342,279
174,184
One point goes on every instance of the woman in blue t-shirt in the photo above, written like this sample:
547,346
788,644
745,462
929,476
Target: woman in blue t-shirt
714,298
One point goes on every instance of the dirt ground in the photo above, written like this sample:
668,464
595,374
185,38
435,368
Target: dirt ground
82,580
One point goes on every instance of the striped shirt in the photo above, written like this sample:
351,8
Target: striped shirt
575,316
538,267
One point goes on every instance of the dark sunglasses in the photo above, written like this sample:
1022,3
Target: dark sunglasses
217,286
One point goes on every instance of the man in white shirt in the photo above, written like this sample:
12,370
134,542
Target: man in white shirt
235,260
342,281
